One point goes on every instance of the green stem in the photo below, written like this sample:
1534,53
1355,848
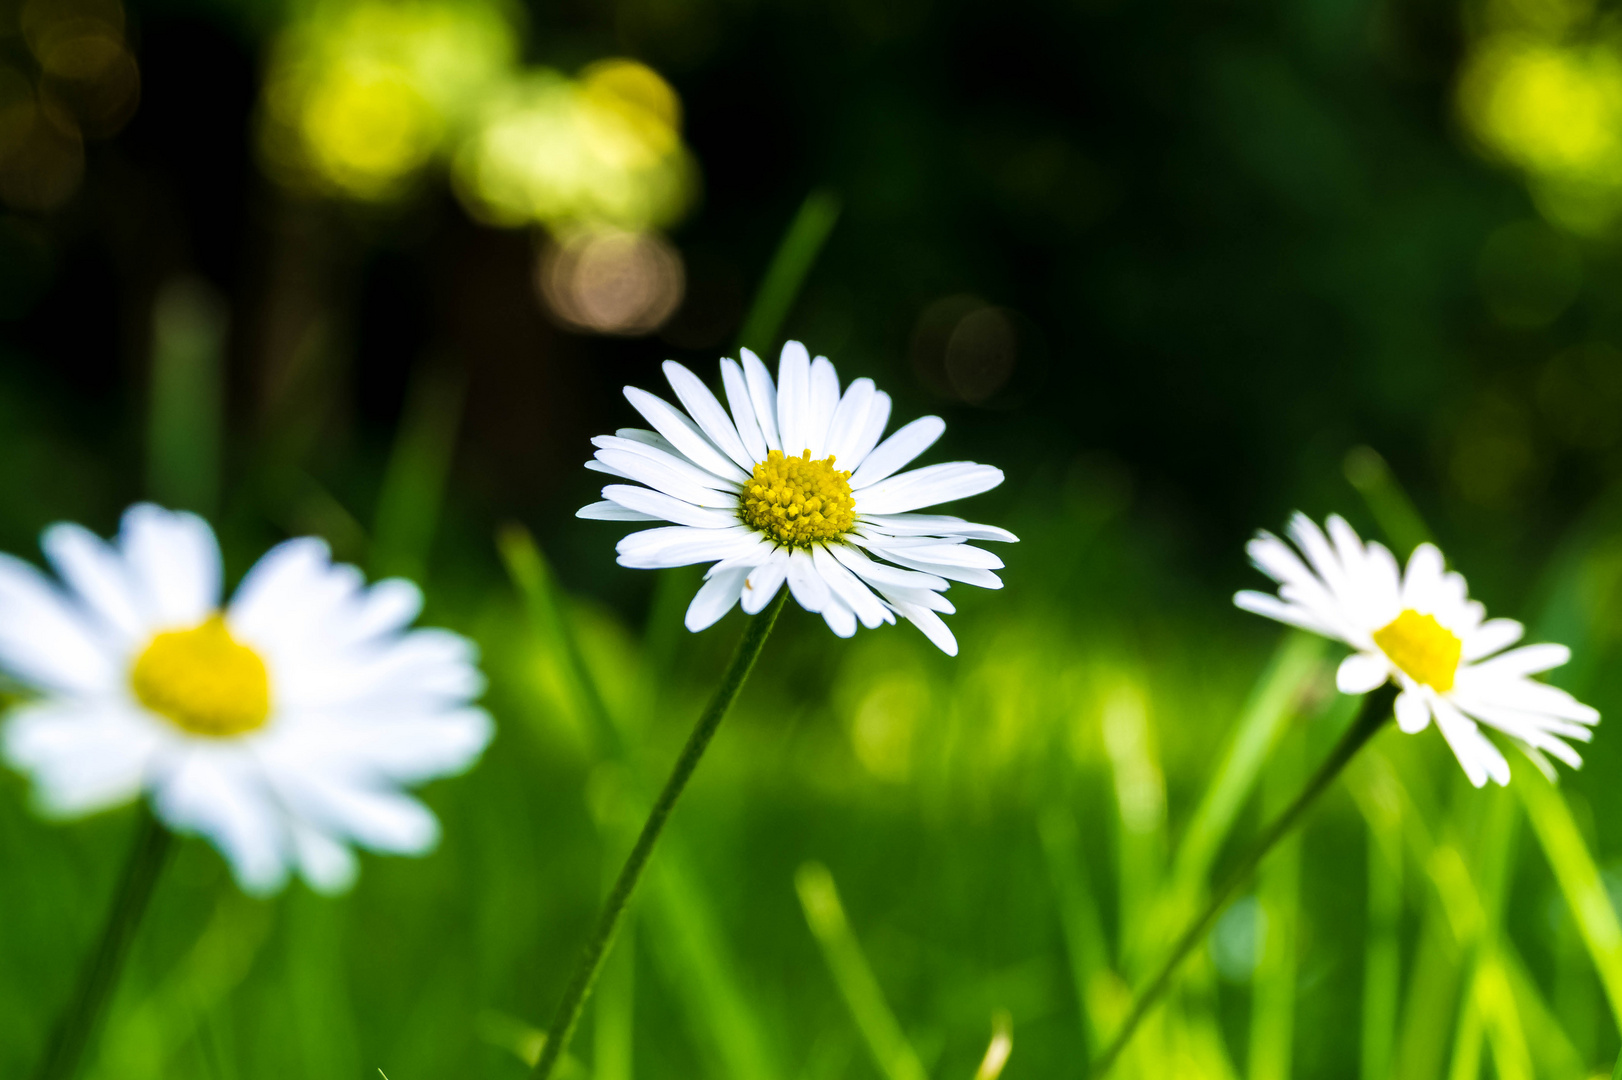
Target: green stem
1371,717
78,1022
591,960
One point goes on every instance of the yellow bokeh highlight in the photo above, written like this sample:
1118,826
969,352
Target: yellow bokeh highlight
601,150
1541,91
359,97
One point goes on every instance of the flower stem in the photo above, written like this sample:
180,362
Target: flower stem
1370,718
78,1022
591,959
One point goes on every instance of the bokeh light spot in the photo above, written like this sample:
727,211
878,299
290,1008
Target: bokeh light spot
611,282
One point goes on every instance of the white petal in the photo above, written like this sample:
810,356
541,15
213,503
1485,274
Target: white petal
1523,695
927,486
743,410
849,423
1526,660
764,581
681,545
605,468
683,434
969,575
933,626
326,864
1491,636
934,525
43,639
82,757
387,607
747,557
840,619
848,587
878,417
926,598
794,398
715,598
898,451
387,821
98,578
1422,588
881,575
1413,712
279,587
1476,753
1311,540
383,738
809,590
217,794
644,437
763,394
668,507
713,420
660,477
946,554
1271,607
823,400
174,562
669,462
1361,672
611,511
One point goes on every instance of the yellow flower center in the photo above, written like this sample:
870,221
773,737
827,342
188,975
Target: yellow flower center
797,501
203,680
1423,648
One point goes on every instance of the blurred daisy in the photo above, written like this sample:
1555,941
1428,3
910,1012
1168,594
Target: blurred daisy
793,486
280,727
1419,628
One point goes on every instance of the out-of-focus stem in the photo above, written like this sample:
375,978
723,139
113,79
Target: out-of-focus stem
1371,717
82,1016
591,960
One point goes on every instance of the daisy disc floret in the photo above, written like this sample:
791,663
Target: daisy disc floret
1419,628
789,484
281,726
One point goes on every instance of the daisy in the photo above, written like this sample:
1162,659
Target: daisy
281,727
792,485
1419,628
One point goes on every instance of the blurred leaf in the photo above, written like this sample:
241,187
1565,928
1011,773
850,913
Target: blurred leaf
1272,704
1278,890
824,913
189,322
1393,511
1578,877
787,272
414,484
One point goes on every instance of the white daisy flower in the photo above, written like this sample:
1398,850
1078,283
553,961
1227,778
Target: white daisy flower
1419,628
280,727
793,485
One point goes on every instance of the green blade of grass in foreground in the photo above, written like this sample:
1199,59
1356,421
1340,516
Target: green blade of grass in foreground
824,913
1278,890
1382,953
694,955
787,272
1578,877
189,323
1393,510
1271,704
1001,1047
1101,996
698,962
1563,844
413,487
